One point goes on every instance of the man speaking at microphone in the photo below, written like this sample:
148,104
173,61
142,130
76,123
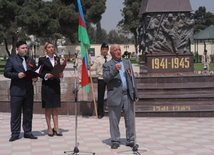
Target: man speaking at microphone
122,92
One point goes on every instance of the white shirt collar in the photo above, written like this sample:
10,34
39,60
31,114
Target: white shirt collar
49,57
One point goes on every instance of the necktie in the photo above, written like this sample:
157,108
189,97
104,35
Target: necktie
24,63
105,58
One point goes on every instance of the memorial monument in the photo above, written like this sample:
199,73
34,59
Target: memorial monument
166,27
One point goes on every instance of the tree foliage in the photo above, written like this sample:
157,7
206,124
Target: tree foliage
93,13
131,17
50,20
117,38
203,19
37,18
8,26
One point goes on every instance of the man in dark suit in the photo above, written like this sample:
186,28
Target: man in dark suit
21,91
122,92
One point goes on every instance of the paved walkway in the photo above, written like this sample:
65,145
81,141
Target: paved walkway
158,136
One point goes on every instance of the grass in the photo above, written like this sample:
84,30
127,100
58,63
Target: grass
199,66
2,64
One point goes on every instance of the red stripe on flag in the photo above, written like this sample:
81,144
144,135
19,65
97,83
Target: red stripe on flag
81,23
85,80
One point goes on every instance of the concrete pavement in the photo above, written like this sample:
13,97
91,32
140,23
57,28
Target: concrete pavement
158,136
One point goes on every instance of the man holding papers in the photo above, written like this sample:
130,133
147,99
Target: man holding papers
30,74
21,91
51,99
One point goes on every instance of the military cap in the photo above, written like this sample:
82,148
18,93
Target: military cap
104,45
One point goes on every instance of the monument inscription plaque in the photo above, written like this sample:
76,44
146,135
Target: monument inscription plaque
170,63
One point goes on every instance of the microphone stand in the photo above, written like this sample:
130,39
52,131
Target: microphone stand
75,92
136,146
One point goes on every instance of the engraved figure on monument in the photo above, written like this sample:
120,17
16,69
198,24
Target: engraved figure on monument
180,24
149,35
173,19
154,25
188,32
140,31
168,26
153,28
160,43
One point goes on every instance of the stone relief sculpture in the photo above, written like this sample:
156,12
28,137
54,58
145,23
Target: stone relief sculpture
166,32
188,33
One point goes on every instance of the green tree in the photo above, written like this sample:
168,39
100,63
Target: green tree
51,20
68,15
203,19
117,38
104,36
92,33
113,37
131,17
8,26
94,11
20,19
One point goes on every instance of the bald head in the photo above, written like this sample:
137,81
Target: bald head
115,51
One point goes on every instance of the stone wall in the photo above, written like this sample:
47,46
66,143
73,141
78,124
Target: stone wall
85,104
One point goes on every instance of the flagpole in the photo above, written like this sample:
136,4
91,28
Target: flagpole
92,88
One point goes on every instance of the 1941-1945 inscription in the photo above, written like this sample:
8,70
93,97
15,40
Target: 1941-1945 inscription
170,63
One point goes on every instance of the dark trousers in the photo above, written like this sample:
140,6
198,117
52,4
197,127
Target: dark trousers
17,105
101,93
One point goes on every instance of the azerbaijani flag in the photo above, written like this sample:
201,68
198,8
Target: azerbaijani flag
85,45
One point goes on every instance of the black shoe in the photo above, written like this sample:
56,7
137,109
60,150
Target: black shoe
55,133
13,138
50,135
100,116
31,136
115,146
131,144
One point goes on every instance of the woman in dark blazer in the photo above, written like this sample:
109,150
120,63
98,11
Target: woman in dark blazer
51,99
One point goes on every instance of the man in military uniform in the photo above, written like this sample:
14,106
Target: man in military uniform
97,66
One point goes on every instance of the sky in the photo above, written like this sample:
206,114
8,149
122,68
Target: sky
113,14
